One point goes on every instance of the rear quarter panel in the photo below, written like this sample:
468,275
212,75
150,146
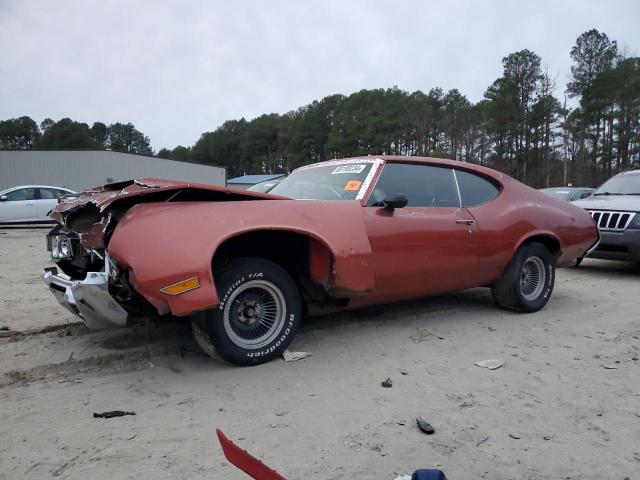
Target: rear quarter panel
520,213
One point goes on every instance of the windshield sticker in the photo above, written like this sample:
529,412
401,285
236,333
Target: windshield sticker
367,181
348,169
353,185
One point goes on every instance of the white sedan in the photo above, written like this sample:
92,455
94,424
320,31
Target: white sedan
29,203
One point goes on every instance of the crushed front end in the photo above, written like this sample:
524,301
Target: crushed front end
103,289
86,281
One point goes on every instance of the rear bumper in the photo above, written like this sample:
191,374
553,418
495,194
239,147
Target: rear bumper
89,299
619,246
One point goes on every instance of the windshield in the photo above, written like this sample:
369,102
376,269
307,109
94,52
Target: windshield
339,180
624,184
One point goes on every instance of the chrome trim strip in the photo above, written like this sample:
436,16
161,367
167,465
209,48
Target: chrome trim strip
594,246
455,178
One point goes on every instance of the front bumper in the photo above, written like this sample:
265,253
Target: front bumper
89,298
619,246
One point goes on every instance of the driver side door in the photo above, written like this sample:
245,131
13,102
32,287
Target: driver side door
429,246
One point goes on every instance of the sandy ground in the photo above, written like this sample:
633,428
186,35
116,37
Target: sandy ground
327,417
24,304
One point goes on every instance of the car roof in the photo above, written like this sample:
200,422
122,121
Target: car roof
18,187
499,176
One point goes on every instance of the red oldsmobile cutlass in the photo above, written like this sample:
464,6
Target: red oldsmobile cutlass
245,267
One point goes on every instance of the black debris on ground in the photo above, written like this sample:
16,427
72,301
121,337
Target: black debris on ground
425,426
112,414
387,383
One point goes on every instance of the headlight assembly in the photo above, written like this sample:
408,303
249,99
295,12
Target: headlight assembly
61,247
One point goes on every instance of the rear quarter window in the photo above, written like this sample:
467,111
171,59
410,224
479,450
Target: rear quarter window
474,189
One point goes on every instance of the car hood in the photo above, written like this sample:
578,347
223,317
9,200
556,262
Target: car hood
629,203
153,189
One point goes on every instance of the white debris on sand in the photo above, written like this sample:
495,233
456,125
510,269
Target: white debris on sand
294,356
491,364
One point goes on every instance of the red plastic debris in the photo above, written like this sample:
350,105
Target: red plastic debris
245,461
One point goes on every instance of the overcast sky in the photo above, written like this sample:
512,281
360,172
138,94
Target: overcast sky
177,69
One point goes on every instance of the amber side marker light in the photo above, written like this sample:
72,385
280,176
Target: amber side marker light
181,287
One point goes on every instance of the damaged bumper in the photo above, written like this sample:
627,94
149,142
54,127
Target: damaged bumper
89,298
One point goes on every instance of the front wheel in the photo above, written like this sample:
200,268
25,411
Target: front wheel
258,315
527,283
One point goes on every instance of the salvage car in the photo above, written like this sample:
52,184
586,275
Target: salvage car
615,207
245,267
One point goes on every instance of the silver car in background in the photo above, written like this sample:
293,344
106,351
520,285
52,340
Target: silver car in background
570,194
29,203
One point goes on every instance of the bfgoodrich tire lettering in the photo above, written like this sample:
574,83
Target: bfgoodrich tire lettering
258,315
527,283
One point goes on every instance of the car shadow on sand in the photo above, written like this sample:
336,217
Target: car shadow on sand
169,343
434,307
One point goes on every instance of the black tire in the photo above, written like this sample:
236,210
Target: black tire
258,315
527,283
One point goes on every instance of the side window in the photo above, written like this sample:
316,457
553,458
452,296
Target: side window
22,194
424,185
49,193
474,189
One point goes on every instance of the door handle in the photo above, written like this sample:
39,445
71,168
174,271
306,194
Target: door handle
466,222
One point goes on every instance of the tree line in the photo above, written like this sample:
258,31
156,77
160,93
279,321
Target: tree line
521,126
24,133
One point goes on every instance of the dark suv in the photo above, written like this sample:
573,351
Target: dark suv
615,207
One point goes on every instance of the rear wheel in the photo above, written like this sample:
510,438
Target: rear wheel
258,315
527,283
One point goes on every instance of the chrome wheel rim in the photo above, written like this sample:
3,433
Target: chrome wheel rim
254,314
532,278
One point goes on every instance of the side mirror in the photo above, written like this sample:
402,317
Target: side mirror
4,198
397,200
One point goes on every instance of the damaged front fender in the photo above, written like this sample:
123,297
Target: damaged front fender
165,244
